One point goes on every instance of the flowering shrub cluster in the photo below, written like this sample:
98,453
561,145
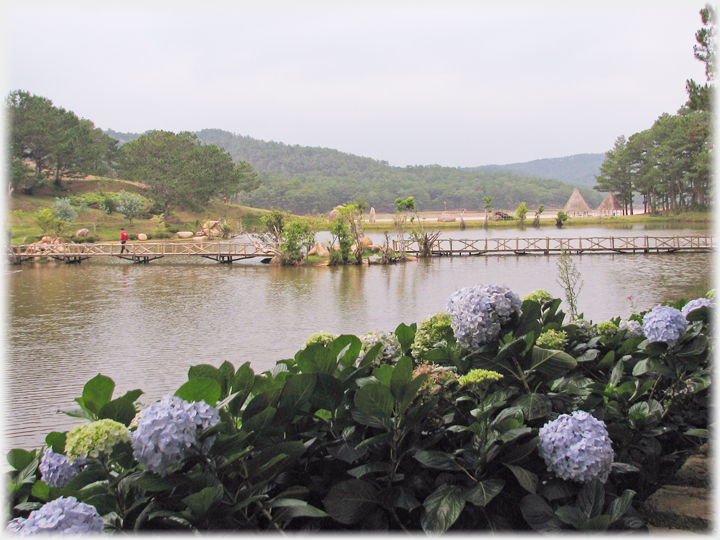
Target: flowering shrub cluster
168,432
96,439
576,447
552,339
57,471
63,516
431,330
486,417
390,350
478,313
540,296
664,324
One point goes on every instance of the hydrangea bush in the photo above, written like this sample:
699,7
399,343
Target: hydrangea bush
577,447
479,431
695,304
664,324
479,313
168,430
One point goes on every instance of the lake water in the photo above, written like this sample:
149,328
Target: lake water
145,325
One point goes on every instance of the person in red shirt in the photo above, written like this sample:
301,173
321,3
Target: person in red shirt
123,239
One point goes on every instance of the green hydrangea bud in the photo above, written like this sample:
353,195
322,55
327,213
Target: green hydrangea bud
95,439
552,339
477,376
607,328
539,295
432,330
320,337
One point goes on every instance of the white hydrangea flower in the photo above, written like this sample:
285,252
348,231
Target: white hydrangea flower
390,350
478,313
576,447
634,328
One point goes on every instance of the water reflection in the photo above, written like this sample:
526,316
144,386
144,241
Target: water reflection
145,325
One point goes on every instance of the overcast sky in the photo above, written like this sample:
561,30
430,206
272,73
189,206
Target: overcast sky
451,83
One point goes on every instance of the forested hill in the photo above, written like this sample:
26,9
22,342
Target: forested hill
578,170
304,179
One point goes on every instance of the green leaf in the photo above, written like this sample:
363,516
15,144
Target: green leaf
19,458
242,385
295,395
383,374
598,523
273,459
259,422
399,497
154,482
406,336
375,400
437,460
572,516
538,514
528,480
591,498
442,508
617,373
401,377
200,389
121,410
345,349
97,392
362,470
552,363
534,406
484,491
695,347
607,360
56,441
620,505
293,508
328,392
316,358
201,502
349,501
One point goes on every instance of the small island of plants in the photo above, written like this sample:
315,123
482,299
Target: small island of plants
495,415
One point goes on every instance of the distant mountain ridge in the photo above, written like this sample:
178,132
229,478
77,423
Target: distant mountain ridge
309,179
578,170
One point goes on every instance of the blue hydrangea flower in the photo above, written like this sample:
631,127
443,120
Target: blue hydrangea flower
695,304
576,447
63,516
478,313
390,351
634,328
168,432
665,324
57,471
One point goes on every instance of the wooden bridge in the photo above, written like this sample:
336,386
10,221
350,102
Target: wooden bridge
223,252
522,246
229,252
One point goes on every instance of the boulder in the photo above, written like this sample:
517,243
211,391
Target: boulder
142,236
334,213
82,233
185,234
321,249
445,217
46,240
365,242
371,219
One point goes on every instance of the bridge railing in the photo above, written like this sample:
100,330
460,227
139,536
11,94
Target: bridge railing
146,249
547,244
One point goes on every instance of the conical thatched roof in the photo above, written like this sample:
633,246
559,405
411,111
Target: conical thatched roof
610,204
576,204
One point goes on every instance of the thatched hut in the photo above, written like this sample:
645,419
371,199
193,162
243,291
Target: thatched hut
576,205
610,205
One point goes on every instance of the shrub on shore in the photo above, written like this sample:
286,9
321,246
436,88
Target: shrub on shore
378,433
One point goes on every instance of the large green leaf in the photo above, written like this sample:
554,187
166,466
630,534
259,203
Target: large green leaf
19,458
375,400
552,363
529,319
401,377
273,459
591,499
437,460
121,410
97,392
316,358
349,501
328,392
528,480
295,395
572,516
442,508
242,385
539,514
534,405
201,501
406,336
621,505
345,349
200,389
484,491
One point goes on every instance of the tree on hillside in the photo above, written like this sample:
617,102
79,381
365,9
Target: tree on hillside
55,140
180,171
